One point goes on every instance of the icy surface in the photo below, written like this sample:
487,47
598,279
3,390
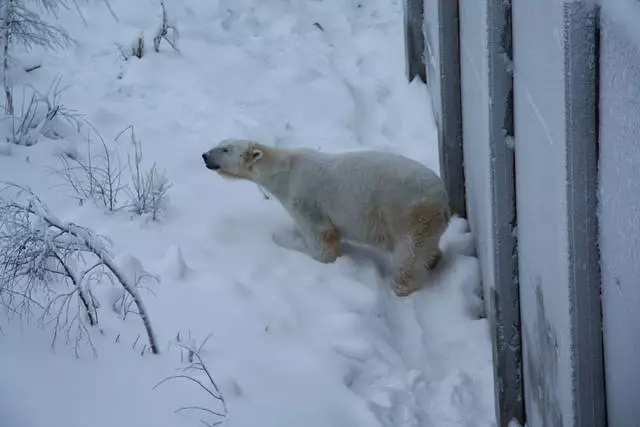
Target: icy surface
292,342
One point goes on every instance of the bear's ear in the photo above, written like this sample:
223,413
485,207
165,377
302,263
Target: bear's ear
251,155
256,154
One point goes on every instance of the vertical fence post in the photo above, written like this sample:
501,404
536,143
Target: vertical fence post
505,298
414,39
441,60
450,129
581,106
431,26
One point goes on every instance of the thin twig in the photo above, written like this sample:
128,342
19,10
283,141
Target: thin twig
216,394
32,68
199,408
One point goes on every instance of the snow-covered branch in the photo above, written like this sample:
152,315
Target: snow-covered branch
38,251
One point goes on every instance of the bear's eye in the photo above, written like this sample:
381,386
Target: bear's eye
225,150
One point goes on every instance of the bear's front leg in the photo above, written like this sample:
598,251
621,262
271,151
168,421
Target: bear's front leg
322,238
323,241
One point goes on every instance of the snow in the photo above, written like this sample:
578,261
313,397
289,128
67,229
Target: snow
290,341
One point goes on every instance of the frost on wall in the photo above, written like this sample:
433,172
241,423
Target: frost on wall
556,146
541,180
619,204
542,364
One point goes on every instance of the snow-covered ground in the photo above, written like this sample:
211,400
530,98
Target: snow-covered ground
292,342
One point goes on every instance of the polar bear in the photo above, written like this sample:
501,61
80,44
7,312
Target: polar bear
380,199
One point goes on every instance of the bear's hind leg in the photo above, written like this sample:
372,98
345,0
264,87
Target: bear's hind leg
434,257
408,259
419,250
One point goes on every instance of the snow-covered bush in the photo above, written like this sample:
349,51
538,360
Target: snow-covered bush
40,114
148,189
21,25
49,265
54,110
99,178
166,31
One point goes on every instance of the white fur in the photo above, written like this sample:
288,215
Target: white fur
369,197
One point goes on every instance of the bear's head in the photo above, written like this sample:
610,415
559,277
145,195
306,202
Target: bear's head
234,158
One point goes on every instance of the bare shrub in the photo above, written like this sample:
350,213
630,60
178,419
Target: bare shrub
166,31
147,189
55,109
196,365
49,265
137,49
97,178
23,125
39,113
23,26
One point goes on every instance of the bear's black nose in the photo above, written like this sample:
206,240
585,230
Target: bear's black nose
204,156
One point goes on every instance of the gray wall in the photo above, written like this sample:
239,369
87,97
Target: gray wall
620,211
527,77
556,147
487,118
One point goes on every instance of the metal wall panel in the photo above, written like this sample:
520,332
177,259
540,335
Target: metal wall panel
554,45
487,117
620,209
